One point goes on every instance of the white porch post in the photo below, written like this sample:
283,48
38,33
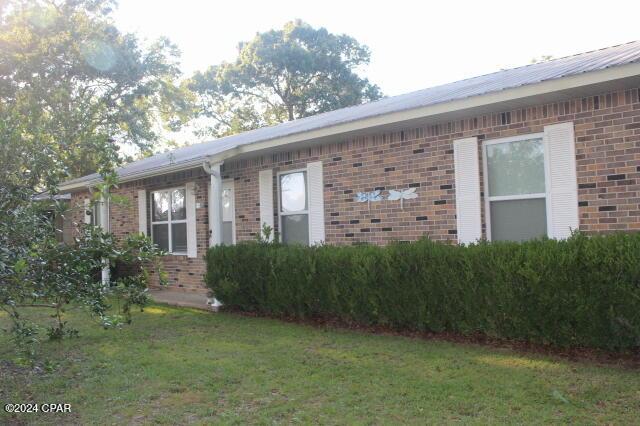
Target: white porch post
106,274
215,213
215,206
106,227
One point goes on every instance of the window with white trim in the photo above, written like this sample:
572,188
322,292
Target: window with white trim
294,207
95,214
169,220
515,188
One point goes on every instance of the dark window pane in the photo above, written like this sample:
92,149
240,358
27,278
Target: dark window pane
295,229
518,220
293,192
227,233
179,237
95,215
178,211
160,206
161,236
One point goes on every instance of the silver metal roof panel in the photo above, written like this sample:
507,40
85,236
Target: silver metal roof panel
501,80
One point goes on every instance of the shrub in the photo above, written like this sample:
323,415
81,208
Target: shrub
584,291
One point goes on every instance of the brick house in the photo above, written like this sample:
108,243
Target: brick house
517,154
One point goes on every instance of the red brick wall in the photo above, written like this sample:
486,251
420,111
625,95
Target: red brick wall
607,131
76,210
184,273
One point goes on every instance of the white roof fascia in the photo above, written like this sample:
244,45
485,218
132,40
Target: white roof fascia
443,108
545,87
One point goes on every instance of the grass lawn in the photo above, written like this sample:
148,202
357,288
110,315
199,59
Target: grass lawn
176,365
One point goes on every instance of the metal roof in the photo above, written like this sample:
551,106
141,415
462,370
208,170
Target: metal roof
501,80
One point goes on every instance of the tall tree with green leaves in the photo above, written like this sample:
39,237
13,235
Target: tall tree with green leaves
78,88
283,75
73,89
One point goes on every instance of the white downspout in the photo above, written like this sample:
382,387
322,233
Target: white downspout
215,211
106,227
215,203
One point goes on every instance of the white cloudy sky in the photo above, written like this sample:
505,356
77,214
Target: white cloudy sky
414,44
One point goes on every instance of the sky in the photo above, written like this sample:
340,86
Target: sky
414,44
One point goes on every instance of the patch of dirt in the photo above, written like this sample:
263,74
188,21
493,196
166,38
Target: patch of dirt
628,359
37,368
8,368
23,375
11,373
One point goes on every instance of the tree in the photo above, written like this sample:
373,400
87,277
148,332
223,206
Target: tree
72,90
36,271
80,86
282,75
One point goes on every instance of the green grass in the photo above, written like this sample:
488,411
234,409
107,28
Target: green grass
175,365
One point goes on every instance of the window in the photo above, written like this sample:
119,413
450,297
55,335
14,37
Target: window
294,205
95,214
169,220
228,214
515,186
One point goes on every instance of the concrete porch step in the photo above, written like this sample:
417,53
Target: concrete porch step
180,298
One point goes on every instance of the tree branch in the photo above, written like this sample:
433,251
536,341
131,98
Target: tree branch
36,305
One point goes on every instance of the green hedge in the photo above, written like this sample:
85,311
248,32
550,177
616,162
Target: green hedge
584,291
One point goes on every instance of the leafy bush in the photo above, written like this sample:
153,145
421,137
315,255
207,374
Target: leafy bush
37,271
584,291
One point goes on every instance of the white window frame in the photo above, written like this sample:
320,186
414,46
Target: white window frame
95,211
168,222
305,211
229,183
485,177
96,218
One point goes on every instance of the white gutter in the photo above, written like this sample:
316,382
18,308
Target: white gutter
545,87
135,176
155,171
542,88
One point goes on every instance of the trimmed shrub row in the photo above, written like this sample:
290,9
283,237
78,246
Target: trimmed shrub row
584,291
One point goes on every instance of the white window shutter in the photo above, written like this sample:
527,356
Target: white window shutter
87,208
190,204
467,177
562,183
266,198
316,203
142,211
